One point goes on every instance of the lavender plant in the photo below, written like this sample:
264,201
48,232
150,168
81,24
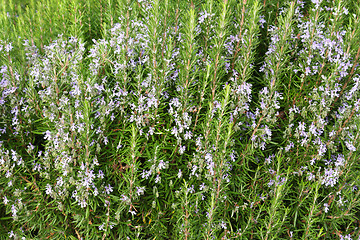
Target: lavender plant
148,119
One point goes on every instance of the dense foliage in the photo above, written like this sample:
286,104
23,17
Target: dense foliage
176,119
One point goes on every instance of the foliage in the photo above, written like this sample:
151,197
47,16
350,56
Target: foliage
149,119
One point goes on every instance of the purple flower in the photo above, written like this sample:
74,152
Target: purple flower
48,189
268,160
5,200
108,189
350,146
140,190
262,21
11,233
157,179
326,207
271,182
179,173
188,135
101,174
8,47
181,150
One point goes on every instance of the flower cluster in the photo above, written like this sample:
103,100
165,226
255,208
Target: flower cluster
217,121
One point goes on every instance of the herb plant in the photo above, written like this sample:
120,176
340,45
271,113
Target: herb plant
176,119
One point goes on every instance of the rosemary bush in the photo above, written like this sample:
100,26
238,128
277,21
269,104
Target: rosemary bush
176,119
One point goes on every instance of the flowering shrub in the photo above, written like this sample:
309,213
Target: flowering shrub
148,119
